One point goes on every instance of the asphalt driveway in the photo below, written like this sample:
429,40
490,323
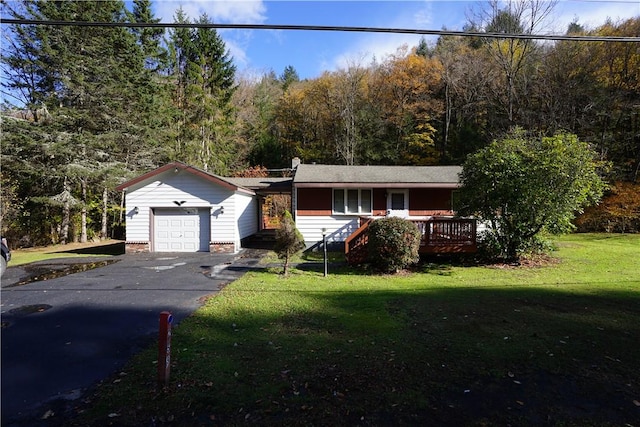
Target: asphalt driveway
62,336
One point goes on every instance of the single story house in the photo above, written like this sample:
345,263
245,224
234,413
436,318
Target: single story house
179,208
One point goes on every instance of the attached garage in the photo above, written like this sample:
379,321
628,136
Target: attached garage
179,208
181,229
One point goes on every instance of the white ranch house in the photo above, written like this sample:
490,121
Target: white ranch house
179,208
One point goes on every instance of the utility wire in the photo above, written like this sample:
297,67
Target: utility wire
324,28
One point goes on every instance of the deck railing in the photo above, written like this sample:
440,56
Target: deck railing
447,235
355,247
439,235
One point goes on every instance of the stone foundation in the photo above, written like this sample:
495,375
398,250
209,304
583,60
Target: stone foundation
136,247
222,248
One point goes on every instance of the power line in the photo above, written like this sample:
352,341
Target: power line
324,28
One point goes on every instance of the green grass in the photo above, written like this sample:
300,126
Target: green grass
72,250
449,345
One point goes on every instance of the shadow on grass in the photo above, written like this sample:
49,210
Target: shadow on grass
110,249
464,356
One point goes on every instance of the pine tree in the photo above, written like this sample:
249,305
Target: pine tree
205,75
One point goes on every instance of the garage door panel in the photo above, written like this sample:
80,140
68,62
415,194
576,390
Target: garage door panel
179,230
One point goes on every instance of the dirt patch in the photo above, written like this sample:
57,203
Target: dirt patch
532,261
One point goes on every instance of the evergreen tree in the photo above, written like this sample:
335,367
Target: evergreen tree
205,75
423,48
289,241
289,76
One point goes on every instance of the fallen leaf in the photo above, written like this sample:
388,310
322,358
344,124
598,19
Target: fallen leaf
636,402
48,414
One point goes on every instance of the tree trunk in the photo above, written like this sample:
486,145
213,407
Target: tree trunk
66,217
105,201
121,206
64,227
285,267
83,212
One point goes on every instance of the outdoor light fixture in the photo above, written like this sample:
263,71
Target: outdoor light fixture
324,248
136,210
221,210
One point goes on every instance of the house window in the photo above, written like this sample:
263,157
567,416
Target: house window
397,201
351,201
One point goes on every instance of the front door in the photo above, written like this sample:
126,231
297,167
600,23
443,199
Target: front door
398,203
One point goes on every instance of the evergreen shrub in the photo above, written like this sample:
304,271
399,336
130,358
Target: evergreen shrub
393,244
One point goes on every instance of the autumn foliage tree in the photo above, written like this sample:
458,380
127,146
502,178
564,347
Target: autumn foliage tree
619,211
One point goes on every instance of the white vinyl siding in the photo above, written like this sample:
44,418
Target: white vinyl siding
247,215
191,192
351,201
338,227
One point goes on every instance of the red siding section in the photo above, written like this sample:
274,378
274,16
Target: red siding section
314,201
430,199
422,201
379,201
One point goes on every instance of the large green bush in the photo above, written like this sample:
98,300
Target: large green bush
393,244
526,185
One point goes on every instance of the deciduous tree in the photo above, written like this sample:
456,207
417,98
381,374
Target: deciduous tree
523,185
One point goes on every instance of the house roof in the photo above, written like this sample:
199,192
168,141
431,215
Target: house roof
178,167
264,185
323,176
377,176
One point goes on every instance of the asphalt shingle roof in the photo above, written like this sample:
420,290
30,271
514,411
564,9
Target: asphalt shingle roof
331,174
273,184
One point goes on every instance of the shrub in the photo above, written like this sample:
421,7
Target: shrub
393,244
289,240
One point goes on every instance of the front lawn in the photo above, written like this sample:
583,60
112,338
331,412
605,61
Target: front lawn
498,345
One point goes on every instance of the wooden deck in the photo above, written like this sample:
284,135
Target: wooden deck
439,236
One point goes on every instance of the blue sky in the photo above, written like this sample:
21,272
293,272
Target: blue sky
311,52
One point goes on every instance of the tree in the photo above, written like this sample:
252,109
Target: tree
255,101
94,111
514,56
205,74
524,185
405,87
288,76
289,241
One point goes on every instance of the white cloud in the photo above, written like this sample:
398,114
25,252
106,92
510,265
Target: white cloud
237,12
424,17
370,47
220,11
378,46
594,15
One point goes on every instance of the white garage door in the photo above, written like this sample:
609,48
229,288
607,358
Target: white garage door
181,230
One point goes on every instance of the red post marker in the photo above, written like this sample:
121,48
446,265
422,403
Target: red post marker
164,348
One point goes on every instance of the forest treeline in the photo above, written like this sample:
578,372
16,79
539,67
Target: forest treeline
89,107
